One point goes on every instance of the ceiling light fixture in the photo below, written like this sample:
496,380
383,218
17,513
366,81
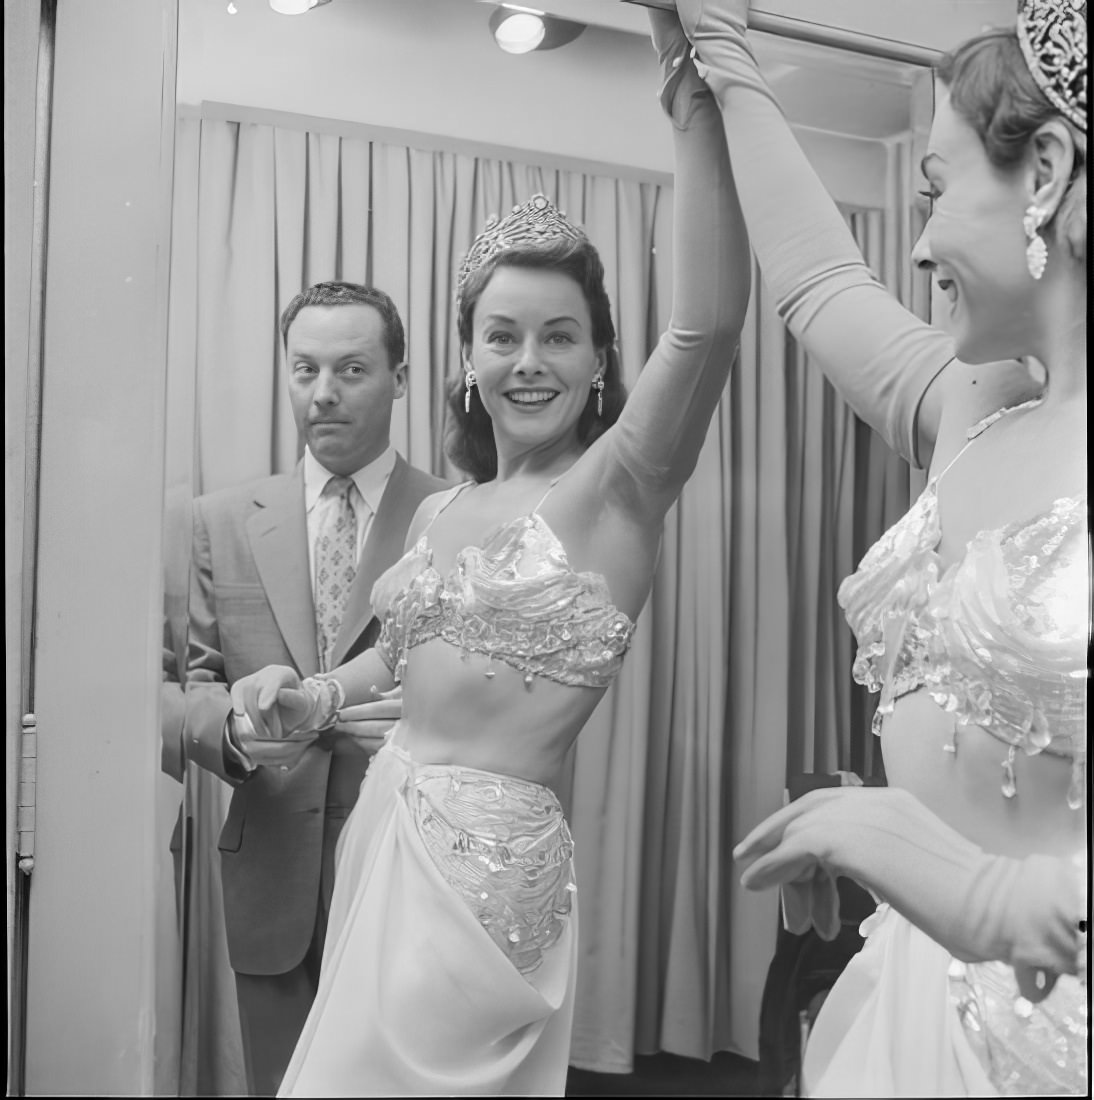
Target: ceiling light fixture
295,7
520,30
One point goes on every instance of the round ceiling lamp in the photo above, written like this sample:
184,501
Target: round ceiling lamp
517,31
521,30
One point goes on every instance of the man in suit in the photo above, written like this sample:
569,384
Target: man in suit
283,570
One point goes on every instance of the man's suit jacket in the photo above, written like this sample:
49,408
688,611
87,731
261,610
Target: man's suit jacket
251,605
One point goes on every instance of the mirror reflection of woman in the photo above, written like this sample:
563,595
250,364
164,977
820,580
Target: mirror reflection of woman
449,966
972,612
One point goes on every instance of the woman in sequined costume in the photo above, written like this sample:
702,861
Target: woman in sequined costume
449,963
972,612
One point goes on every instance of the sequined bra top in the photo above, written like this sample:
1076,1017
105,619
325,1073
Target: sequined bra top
514,599
998,638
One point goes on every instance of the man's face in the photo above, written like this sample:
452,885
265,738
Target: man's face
342,384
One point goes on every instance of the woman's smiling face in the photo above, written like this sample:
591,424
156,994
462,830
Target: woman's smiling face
974,243
533,356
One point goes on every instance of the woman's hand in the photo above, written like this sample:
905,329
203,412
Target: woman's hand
368,723
979,906
267,707
882,837
793,848
791,844
273,699
697,16
680,82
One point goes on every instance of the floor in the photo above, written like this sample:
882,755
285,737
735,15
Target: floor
670,1075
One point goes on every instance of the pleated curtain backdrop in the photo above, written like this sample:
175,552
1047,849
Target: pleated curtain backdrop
739,672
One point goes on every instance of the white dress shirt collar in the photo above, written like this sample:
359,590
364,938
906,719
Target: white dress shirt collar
371,480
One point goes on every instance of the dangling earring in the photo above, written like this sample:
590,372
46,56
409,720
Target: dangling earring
598,385
1036,250
468,381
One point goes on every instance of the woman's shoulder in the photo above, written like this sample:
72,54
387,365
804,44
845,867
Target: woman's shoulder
431,507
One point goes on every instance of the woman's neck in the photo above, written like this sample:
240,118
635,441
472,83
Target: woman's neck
1061,347
537,462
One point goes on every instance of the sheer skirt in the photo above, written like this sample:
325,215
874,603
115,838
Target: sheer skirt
906,1019
451,950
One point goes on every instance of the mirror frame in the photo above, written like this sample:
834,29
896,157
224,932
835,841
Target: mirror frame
93,679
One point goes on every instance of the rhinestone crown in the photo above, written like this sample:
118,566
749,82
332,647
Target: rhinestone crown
1052,37
536,222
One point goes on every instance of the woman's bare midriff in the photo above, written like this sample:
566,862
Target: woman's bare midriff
453,713
964,787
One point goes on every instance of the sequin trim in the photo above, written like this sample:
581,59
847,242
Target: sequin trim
503,845
515,599
1026,1049
998,639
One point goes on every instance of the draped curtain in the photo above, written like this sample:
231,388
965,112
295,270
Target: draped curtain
739,672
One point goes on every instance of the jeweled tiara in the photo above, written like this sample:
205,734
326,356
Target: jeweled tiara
1052,37
536,222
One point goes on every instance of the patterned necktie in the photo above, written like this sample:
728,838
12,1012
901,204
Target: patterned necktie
335,564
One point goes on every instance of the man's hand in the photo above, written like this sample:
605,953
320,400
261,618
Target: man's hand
369,723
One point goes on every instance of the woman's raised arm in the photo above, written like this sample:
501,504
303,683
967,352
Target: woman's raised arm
657,439
879,355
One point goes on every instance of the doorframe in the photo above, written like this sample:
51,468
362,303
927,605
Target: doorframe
28,66
96,602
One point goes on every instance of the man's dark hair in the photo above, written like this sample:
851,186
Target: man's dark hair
350,294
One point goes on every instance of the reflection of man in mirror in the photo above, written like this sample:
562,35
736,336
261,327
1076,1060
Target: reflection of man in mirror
282,574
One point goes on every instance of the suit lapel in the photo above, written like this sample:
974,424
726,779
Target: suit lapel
383,548
278,536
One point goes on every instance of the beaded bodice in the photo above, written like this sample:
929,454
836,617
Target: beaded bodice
515,599
998,638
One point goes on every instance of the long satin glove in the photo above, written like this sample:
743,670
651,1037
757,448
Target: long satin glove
980,907
654,446
879,355
681,86
278,703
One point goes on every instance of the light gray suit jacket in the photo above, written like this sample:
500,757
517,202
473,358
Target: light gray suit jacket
250,606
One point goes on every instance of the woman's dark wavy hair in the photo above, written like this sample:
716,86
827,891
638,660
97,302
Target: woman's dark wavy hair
992,89
469,440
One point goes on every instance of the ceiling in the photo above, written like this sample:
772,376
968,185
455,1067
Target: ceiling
936,24
823,87
244,59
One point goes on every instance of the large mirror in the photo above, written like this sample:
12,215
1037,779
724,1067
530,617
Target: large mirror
367,140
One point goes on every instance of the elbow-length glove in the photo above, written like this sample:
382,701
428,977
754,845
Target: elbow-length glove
1028,912
880,356
681,85
278,703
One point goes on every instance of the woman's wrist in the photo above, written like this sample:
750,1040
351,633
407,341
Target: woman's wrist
327,698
